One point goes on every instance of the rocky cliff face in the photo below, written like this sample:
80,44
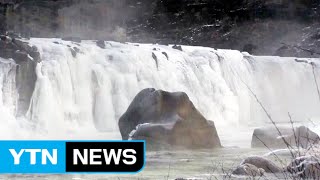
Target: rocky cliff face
263,27
26,58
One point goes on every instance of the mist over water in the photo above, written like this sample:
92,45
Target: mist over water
83,96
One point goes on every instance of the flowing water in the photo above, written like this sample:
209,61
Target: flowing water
82,96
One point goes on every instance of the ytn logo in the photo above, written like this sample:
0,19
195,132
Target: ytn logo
53,158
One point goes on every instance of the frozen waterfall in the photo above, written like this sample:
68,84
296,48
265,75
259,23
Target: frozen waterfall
82,95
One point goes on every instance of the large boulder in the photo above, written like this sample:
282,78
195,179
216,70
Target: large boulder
293,137
167,117
248,170
305,167
263,163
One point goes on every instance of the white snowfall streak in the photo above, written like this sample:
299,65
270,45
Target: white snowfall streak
82,97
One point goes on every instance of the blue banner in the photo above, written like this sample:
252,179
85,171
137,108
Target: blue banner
61,157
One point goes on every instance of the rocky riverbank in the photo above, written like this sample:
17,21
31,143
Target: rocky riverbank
284,28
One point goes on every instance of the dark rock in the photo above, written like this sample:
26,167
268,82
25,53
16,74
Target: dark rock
6,39
6,53
301,61
110,57
249,48
269,136
7,42
178,47
25,82
156,60
26,57
35,55
306,167
248,170
3,37
262,163
25,47
285,51
13,34
101,44
165,54
76,49
73,52
19,56
149,131
22,45
167,117
315,36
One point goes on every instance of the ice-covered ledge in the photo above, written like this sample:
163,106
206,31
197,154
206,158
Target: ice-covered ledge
85,88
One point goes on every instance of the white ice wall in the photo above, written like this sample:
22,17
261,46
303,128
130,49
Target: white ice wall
84,96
